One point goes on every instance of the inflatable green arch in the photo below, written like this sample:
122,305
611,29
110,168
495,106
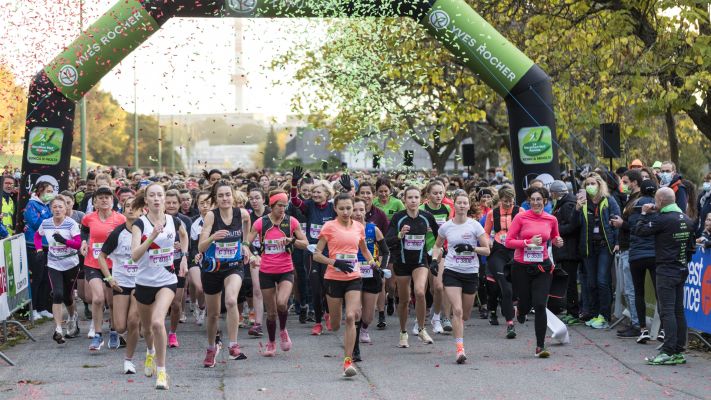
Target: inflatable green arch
55,89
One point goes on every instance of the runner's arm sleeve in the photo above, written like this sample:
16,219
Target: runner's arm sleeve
489,224
296,201
85,233
37,239
512,238
384,252
74,242
391,237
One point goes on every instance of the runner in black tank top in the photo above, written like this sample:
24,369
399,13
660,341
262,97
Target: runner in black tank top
250,287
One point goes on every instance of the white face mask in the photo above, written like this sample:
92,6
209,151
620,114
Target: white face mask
707,186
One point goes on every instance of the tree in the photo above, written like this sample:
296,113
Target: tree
271,150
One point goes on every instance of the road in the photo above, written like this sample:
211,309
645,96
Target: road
595,365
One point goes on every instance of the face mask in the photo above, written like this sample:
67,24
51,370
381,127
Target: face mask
665,178
626,189
47,197
499,174
591,189
707,186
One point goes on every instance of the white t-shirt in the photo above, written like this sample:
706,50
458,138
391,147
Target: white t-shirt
466,233
155,266
60,257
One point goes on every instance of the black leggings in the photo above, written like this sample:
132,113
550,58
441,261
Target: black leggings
572,302
316,273
63,283
495,264
531,287
39,280
638,269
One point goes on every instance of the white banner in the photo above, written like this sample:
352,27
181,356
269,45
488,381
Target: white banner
4,308
19,263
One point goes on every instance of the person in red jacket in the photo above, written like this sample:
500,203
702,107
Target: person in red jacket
532,270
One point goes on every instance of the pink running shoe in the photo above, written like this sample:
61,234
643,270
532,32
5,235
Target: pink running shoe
173,340
210,356
271,349
285,340
236,353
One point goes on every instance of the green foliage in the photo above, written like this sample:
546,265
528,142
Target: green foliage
271,150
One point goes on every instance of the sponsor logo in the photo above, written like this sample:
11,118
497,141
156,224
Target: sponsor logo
68,75
439,19
535,145
45,146
242,6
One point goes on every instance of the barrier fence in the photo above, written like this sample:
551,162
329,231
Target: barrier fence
14,284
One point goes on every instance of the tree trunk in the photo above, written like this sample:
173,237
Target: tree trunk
673,139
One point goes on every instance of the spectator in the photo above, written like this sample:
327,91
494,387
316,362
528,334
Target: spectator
8,203
704,203
668,177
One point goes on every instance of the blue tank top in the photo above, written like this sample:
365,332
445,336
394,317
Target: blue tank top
369,241
316,217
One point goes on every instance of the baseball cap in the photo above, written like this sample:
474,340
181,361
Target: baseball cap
558,186
648,187
657,164
103,190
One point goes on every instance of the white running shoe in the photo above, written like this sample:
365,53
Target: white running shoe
46,314
415,329
425,337
364,335
92,332
183,317
200,320
128,367
36,316
437,326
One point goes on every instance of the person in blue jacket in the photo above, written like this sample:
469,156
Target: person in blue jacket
36,211
598,244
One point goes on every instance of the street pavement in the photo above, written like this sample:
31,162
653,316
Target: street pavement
595,365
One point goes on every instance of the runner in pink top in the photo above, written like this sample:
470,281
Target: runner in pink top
532,272
278,235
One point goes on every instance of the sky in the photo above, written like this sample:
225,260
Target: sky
185,68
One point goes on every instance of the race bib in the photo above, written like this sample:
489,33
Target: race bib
273,247
315,230
160,258
533,254
130,269
226,250
351,259
441,219
503,239
465,257
60,250
366,271
414,242
96,249
596,229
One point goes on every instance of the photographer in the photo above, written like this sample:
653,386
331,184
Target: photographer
673,239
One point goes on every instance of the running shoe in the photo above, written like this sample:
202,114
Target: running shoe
592,320
58,337
162,381
542,352
72,328
92,332
679,358
236,353
46,314
571,320
461,356
252,317
96,343
302,315
36,316
381,322
200,319
122,342
391,306
284,340
327,318
349,369
483,313
600,323
644,337
437,326
661,359
255,330
629,333
173,340
183,317
415,329
317,330
113,340
149,366
510,331
356,355
447,325
310,316
210,357
128,367
364,335
270,350
493,318
404,340
660,336
425,337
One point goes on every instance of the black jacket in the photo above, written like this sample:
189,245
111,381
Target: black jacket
569,228
641,247
673,237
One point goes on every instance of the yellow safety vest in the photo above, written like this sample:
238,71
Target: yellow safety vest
8,210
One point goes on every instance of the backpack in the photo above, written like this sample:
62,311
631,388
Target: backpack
497,217
284,226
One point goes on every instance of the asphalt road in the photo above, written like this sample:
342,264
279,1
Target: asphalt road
595,365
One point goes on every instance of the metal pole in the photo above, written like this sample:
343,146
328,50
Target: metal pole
135,117
82,105
172,145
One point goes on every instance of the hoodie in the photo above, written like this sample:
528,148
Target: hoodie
35,212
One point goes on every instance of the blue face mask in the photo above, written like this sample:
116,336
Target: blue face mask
665,178
707,186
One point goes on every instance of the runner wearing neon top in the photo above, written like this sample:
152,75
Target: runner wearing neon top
344,237
96,227
458,272
276,269
532,271
385,201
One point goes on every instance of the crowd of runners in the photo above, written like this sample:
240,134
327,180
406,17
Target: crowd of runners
341,251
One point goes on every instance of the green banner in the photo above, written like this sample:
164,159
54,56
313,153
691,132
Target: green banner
535,145
482,48
100,48
9,267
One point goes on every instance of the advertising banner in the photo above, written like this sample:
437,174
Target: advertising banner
697,292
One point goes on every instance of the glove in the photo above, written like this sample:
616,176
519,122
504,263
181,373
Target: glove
387,274
346,182
311,248
343,265
59,238
434,267
296,173
463,247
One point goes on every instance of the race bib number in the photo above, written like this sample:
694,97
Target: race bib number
414,242
465,257
351,259
160,258
273,247
226,250
130,269
96,249
441,219
533,254
366,271
60,250
315,230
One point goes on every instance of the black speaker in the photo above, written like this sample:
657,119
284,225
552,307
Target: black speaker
468,155
376,161
610,140
409,158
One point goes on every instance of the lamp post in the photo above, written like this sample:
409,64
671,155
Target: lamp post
135,117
